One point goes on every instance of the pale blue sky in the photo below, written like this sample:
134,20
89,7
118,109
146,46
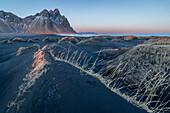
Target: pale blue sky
104,16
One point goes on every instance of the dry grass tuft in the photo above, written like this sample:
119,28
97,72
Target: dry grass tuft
49,39
131,37
18,40
142,76
30,41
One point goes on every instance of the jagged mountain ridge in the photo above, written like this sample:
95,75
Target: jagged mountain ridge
43,22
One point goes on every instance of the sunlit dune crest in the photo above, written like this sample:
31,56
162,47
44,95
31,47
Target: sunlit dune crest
40,58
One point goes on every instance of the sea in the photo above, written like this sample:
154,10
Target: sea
89,35
122,34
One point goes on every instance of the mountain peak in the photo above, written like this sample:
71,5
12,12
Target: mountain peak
50,11
1,11
55,11
45,10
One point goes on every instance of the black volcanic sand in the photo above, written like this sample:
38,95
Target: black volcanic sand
62,88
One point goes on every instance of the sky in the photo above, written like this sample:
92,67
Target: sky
101,16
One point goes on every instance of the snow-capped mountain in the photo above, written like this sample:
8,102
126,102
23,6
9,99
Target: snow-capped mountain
43,22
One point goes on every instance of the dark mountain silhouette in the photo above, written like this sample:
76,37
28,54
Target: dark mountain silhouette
43,22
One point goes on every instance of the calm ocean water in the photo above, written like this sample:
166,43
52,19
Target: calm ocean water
136,34
143,34
88,35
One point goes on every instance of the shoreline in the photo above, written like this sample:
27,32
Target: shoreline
89,35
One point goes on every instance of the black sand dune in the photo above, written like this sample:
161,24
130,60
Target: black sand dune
39,76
